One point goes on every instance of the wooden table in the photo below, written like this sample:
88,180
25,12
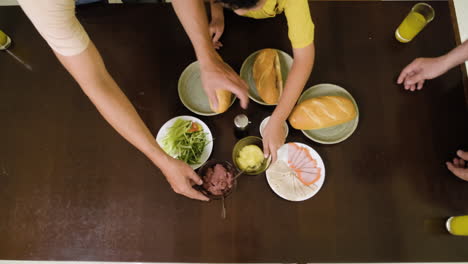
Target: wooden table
72,189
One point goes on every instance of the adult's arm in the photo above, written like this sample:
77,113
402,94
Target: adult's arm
56,21
215,73
417,72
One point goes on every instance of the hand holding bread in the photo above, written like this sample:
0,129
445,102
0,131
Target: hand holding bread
224,101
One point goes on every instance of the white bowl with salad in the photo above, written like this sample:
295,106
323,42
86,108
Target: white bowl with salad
186,138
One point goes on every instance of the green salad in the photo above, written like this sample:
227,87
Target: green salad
185,141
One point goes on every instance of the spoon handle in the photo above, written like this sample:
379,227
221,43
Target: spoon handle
238,174
223,209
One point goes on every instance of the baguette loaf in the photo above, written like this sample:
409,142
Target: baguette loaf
267,76
224,101
322,112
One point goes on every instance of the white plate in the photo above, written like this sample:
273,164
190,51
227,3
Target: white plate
301,192
265,122
208,148
247,75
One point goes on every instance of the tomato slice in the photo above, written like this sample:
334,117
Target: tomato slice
194,128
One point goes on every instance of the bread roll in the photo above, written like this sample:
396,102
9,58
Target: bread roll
224,101
322,112
267,76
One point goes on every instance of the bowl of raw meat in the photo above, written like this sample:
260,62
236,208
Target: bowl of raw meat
218,179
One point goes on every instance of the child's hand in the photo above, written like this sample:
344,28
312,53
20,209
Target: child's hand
216,24
458,167
216,31
273,138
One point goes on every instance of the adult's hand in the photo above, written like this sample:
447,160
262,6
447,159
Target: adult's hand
218,75
88,70
458,166
421,69
417,72
215,73
181,177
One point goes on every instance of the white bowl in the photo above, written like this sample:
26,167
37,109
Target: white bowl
265,122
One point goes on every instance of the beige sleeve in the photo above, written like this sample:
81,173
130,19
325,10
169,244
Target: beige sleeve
56,22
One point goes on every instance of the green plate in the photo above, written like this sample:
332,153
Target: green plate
247,75
334,134
191,91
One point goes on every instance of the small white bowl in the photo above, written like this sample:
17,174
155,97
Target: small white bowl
265,122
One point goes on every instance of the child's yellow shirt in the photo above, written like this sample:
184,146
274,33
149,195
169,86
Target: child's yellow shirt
300,25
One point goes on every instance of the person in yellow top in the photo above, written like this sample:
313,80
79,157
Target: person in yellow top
301,34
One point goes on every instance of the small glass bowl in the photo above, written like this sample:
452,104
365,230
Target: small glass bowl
250,140
202,172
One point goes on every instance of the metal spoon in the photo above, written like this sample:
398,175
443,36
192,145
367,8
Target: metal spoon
223,209
237,175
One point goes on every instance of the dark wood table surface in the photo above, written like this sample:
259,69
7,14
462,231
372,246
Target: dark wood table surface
72,189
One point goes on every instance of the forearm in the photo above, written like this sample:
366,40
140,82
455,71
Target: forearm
115,107
111,102
457,56
297,79
217,11
192,16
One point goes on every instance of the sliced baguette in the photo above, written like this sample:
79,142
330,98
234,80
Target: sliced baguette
267,76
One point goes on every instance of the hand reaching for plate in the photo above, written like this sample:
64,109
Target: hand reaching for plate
218,75
458,167
181,178
273,138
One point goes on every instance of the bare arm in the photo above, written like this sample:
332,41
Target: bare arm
56,22
417,72
192,16
457,56
216,23
297,79
88,69
215,73
216,9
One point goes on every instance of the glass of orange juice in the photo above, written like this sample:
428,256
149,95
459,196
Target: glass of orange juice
458,225
4,40
419,16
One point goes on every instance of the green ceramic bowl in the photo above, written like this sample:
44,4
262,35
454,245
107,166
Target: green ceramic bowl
191,91
334,134
250,140
246,73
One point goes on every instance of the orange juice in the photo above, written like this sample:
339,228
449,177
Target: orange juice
419,16
3,39
410,27
458,225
